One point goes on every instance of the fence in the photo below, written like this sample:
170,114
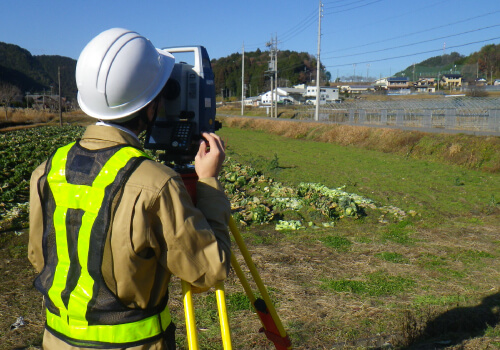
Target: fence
463,114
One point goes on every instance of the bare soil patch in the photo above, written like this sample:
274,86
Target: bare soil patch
314,316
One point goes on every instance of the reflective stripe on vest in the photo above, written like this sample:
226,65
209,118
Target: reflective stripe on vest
72,320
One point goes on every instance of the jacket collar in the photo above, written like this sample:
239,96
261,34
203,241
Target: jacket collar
108,133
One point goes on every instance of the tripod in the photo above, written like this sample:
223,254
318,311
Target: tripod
271,324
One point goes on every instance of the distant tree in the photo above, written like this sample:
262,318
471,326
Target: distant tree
474,90
489,60
328,76
8,93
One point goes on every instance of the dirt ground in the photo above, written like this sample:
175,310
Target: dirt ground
316,317
293,267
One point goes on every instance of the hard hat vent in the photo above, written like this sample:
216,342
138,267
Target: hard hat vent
119,72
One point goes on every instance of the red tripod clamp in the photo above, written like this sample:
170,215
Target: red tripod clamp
270,329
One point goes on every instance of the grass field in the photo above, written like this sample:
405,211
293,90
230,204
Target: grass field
427,280
430,277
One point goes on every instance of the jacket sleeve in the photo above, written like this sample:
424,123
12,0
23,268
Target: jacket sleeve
35,252
197,238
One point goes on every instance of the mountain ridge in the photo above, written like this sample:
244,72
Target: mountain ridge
38,74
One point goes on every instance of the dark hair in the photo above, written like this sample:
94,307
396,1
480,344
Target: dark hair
133,124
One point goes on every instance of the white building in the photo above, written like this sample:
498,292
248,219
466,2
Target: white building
327,95
381,84
254,101
284,95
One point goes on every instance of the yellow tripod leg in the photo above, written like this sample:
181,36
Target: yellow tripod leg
192,334
258,281
224,321
243,280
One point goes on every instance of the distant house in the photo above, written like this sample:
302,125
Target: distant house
451,80
295,94
425,85
43,101
283,95
253,101
299,95
357,89
381,84
481,82
398,85
327,95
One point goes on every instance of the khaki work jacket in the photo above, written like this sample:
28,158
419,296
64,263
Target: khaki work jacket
157,232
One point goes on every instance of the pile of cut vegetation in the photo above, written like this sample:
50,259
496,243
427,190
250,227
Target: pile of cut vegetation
257,199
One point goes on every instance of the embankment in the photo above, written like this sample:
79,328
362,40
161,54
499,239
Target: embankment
469,151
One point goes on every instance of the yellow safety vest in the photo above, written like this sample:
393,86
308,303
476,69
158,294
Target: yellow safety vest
68,314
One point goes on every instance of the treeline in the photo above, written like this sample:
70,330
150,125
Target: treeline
293,68
35,74
482,64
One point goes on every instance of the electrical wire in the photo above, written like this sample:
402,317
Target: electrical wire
293,31
350,3
412,54
412,12
411,44
312,14
311,21
353,8
419,32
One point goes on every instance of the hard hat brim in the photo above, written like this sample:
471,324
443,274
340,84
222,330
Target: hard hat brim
114,65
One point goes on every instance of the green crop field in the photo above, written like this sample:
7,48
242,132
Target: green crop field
359,249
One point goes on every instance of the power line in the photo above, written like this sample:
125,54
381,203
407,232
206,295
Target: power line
299,25
343,5
419,32
311,21
354,8
412,12
335,2
412,54
415,43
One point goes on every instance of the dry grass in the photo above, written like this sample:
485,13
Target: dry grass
18,118
474,152
293,265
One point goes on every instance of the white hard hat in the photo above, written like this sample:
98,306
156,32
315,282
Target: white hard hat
119,72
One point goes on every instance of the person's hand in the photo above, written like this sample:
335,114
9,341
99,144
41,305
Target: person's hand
211,155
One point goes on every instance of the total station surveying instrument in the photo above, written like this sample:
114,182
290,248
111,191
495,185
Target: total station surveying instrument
189,109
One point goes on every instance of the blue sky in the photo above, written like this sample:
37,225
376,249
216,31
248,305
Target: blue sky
365,37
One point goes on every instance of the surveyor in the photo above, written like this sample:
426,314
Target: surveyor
110,226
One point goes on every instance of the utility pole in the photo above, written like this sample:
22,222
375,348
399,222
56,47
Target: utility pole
271,72
60,104
243,80
276,74
272,96
318,63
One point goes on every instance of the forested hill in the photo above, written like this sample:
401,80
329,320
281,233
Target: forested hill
482,64
297,68
293,67
36,74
